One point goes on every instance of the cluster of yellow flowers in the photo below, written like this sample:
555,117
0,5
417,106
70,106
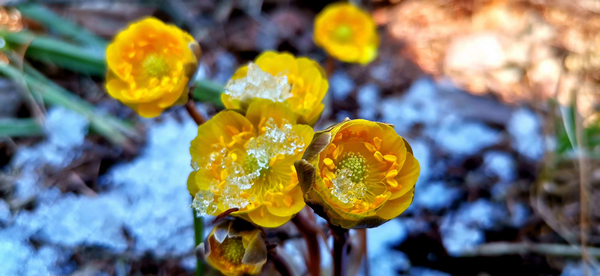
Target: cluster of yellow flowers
260,160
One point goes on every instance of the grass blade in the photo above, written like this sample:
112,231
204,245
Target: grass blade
64,27
20,128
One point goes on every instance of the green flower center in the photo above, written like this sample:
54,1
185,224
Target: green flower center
343,33
233,250
155,66
354,162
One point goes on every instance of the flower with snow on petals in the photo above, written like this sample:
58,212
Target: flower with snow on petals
247,162
358,174
300,83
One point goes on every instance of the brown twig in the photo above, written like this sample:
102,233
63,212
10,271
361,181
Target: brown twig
340,249
310,232
583,192
505,248
190,106
363,239
280,263
329,66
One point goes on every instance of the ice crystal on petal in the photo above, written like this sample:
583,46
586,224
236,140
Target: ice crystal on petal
259,84
204,203
346,190
195,166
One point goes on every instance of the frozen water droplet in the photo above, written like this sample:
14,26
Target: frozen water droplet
259,84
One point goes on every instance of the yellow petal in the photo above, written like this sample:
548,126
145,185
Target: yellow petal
407,177
191,184
393,208
292,203
149,110
262,108
262,217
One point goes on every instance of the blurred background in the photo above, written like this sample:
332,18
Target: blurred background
499,100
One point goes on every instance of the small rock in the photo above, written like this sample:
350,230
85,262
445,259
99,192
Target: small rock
340,85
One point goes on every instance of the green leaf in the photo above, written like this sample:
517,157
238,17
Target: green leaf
64,27
108,126
52,51
208,91
20,128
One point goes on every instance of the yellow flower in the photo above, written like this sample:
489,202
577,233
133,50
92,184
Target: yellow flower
149,66
247,162
300,83
358,174
234,247
347,33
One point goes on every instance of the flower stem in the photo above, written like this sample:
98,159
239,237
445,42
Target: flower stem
280,263
329,66
198,231
310,231
190,106
340,249
363,240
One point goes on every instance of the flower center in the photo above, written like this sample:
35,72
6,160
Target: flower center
348,184
233,250
155,66
354,162
343,33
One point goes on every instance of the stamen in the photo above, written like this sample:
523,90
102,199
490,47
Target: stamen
233,250
348,182
155,66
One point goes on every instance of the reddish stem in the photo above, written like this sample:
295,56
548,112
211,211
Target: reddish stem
310,231
329,66
340,249
190,106
280,263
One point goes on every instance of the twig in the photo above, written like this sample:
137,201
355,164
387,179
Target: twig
280,263
340,248
505,248
310,232
363,239
329,66
583,192
190,106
